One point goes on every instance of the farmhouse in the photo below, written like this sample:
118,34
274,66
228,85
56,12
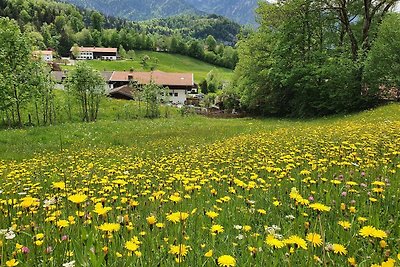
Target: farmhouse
122,84
89,53
179,84
45,55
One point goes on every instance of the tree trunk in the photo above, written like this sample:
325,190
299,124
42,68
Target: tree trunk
37,113
17,106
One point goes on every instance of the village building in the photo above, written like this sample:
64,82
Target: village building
179,84
45,55
89,53
124,84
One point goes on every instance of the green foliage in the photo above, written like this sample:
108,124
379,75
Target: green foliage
97,20
59,26
20,76
88,86
151,95
304,61
382,70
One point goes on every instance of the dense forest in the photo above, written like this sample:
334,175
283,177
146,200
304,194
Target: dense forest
241,11
58,26
317,57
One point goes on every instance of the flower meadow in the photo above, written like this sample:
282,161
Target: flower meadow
308,194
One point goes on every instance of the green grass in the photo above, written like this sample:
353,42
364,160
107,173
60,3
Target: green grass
120,124
252,192
259,177
167,62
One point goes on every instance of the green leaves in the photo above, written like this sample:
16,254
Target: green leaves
88,86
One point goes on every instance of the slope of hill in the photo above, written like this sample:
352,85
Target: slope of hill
138,10
241,11
198,27
58,26
164,62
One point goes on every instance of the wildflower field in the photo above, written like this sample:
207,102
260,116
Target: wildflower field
321,193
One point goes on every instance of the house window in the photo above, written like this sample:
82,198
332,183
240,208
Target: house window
176,94
171,94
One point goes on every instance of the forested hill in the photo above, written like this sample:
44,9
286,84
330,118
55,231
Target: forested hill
138,10
198,27
241,11
59,26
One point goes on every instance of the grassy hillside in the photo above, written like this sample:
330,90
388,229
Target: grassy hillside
166,62
118,126
194,191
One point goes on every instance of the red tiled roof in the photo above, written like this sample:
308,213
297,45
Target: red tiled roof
159,77
96,49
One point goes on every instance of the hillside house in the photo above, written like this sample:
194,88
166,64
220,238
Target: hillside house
179,84
121,84
45,55
89,53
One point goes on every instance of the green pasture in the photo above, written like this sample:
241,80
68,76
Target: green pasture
166,62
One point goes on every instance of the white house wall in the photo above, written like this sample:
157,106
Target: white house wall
177,97
85,55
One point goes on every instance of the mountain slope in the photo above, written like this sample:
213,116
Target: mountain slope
241,11
198,27
138,10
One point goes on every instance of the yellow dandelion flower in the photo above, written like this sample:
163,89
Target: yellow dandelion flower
389,263
179,250
362,219
177,216
151,220
39,236
319,207
247,228
209,253
131,245
352,261
339,249
62,223
110,227
296,240
39,242
100,210
274,242
226,261
212,214
345,224
370,231
77,198
276,203
160,225
29,201
12,263
262,211
315,239
175,198
59,185
216,229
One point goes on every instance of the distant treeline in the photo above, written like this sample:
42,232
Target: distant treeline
59,26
